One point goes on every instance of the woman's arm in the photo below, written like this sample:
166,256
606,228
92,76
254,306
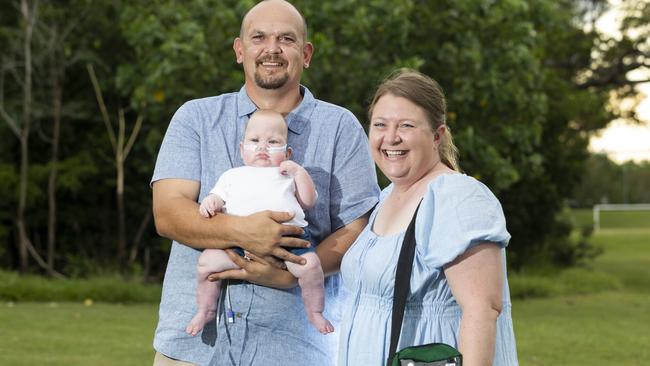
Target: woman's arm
476,281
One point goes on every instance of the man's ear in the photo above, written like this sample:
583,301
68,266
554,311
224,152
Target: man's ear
241,149
307,53
289,152
237,47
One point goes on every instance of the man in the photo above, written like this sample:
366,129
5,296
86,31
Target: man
268,324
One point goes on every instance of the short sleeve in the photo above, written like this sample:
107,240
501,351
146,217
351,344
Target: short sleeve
180,152
355,190
457,213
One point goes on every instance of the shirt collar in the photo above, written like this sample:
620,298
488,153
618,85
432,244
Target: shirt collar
297,119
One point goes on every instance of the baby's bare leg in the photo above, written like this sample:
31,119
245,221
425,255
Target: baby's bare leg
310,278
207,292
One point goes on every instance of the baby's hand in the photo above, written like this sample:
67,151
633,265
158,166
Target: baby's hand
210,205
291,168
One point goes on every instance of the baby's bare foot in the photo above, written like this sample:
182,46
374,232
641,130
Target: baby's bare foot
323,325
198,322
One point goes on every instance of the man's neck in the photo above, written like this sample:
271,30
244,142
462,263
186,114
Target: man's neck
282,100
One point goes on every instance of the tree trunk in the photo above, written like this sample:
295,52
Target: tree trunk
119,190
144,223
22,200
121,148
57,95
23,240
121,218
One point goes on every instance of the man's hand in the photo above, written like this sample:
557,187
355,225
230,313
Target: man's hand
264,235
257,271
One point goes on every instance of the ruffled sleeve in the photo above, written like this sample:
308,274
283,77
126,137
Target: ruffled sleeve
457,213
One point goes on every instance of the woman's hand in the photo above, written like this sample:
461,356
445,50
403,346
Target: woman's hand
256,270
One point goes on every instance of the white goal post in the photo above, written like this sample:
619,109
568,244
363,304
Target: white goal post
617,207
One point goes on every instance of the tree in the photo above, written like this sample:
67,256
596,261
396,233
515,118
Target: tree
515,75
604,181
527,83
56,27
121,149
22,128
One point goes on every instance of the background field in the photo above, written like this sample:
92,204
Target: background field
613,219
70,334
597,328
606,323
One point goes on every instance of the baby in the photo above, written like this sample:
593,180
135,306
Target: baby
268,181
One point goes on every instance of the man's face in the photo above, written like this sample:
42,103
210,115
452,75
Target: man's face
272,47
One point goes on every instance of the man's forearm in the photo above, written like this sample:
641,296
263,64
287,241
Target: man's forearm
331,250
179,219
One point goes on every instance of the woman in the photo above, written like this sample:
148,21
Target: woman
459,292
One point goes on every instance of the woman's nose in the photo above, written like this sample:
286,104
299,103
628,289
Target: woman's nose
392,136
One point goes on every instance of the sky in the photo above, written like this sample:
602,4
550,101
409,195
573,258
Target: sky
624,141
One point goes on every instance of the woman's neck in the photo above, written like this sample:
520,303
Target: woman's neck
417,186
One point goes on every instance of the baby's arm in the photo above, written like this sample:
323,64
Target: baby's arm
210,205
305,189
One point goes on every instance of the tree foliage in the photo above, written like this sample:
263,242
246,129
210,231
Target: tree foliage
604,181
526,81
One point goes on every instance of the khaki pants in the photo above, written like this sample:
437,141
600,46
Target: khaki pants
162,360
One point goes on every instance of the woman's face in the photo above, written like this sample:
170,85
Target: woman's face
402,142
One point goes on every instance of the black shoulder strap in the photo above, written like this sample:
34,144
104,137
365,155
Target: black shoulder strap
402,284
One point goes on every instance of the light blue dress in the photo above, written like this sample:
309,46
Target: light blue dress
457,212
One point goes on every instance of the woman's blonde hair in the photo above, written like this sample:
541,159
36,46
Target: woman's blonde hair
426,93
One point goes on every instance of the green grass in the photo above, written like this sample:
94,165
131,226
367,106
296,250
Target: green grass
583,217
590,316
627,255
67,334
613,219
594,328
567,282
597,329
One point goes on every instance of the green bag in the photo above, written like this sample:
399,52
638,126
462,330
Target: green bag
432,354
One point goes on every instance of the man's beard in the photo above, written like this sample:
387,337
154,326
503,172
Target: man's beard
271,82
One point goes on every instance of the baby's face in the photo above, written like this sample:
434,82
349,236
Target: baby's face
265,141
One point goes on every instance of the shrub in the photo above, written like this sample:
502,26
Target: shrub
571,281
113,289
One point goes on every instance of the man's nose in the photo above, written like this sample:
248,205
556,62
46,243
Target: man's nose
273,45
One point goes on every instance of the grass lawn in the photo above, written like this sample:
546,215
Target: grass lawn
613,219
600,328
569,330
627,255
67,334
